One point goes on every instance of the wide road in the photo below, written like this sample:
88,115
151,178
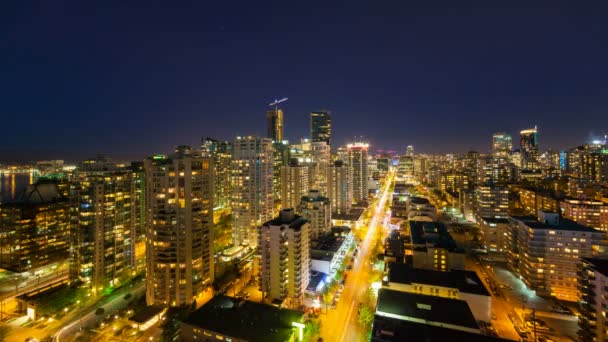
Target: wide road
341,324
87,317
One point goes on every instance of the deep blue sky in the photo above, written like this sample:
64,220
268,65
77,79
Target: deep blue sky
129,78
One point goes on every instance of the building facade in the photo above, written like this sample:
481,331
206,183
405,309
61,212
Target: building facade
285,257
340,187
35,229
592,213
357,159
105,215
548,251
593,322
295,181
179,249
252,187
316,209
274,124
320,126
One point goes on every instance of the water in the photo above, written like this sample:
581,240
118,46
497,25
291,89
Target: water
11,185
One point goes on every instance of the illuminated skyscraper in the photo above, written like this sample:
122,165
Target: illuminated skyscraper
409,151
252,186
502,145
105,208
594,166
529,148
179,227
320,126
221,153
320,157
35,229
274,124
357,160
295,181
340,187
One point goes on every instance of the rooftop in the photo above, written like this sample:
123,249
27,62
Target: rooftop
564,224
43,192
427,308
353,215
142,315
245,320
289,218
389,330
600,265
330,242
488,219
434,233
419,200
464,281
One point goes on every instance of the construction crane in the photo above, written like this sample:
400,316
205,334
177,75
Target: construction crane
276,103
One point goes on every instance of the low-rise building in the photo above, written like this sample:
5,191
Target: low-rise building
328,251
456,284
228,319
353,219
593,286
546,253
429,310
432,247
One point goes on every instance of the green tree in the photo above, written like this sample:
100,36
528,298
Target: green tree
312,328
366,316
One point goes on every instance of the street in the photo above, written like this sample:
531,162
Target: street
340,324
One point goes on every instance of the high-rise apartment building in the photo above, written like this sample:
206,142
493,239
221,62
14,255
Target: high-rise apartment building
593,321
340,187
357,159
316,209
409,151
320,126
594,166
281,154
105,217
320,158
252,187
502,145
274,124
295,181
221,153
546,253
285,257
179,227
529,148
35,229
491,201
591,213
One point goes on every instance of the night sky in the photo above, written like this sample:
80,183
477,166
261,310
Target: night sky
130,78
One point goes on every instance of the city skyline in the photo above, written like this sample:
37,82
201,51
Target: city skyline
427,77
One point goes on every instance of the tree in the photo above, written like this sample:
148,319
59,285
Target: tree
100,311
312,328
4,332
366,316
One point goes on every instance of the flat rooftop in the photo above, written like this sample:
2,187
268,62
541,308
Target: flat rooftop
142,315
419,200
245,320
427,308
394,330
464,281
495,219
434,233
353,215
564,224
330,242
